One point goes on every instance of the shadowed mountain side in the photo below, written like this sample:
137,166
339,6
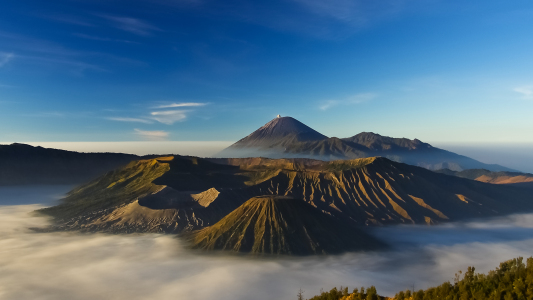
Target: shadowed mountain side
281,225
525,185
174,194
25,164
491,177
288,138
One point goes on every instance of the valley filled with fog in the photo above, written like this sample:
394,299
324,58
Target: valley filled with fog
68,265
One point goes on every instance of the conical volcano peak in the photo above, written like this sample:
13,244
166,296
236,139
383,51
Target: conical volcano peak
279,131
288,125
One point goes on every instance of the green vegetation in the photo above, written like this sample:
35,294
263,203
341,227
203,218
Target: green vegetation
342,293
512,280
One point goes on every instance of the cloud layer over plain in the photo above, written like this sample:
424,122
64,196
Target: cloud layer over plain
152,266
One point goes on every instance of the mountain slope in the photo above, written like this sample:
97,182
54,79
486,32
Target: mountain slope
25,164
379,191
374,141
281,225
165,194
416,152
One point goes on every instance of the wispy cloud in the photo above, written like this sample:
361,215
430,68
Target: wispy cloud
169,117
525,91
75,66
45,114
157,135
135,120
183,104
37,51
132,25
338,9
355,13
5,58
355,99
324,19
73,20
103,39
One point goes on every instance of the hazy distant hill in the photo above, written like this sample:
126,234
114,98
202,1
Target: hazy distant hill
286,137
183,194
25,164
492,177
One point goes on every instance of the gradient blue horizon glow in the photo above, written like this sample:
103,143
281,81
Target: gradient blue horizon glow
201,70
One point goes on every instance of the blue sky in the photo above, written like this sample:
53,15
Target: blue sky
205,70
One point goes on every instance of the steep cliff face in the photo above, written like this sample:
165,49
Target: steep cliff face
281,225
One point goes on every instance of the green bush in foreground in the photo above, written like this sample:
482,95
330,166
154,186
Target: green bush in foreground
512,280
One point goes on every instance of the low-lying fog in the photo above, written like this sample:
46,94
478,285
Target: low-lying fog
151,266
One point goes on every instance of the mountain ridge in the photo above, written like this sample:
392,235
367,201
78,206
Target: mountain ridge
364,144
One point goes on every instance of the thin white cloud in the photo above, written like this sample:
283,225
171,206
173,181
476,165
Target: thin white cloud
137,120
356,13
355,99
338,9
157,135
5,58
183,104
525,91
169,117
46,53
103,39
132,25
73,20
46,114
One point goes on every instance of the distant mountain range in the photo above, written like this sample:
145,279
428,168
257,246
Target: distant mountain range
286,137
283,137
185,194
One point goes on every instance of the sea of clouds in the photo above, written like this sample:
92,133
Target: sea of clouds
68,265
